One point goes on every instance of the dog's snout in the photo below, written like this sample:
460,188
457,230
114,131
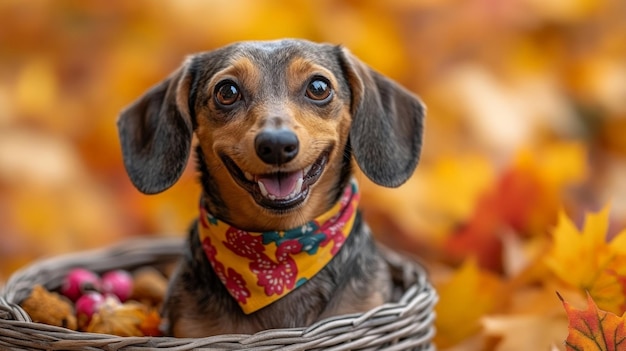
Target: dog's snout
276,146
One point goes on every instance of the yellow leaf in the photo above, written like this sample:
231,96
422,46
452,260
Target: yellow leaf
618,244
452,196
439,200
36,90
595,228
463,300
586,260
572,247
558,164
609,289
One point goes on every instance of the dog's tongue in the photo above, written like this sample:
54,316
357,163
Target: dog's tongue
280,185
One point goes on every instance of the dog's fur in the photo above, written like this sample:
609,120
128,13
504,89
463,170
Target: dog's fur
366,116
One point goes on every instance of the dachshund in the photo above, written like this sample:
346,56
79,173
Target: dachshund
279,242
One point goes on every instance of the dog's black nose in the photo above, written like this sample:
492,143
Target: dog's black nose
276,146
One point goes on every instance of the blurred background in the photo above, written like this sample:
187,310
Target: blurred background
526,117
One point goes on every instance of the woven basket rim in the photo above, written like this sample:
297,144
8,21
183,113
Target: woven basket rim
413,314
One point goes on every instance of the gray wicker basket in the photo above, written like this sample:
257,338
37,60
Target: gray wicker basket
406,324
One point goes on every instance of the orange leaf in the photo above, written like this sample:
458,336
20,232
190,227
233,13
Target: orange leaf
594,329
150,324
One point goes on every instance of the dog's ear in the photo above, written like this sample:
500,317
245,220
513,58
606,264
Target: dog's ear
156,132
387,124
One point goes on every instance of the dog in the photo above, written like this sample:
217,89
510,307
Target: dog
277,125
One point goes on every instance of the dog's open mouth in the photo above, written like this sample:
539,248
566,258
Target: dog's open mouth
280,191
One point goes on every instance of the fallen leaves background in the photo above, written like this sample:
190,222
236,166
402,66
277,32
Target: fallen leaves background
525,137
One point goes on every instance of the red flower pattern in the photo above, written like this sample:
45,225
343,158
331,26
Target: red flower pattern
243,244
274,276
333,232
234,282
236,285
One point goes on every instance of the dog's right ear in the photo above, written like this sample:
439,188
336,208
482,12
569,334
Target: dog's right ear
156,132
387,124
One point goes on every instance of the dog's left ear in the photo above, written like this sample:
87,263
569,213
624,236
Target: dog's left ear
387,124
156,132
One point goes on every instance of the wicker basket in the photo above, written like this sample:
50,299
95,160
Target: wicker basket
403,325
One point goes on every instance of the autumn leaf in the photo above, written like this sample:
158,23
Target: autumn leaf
150,324
600,266
593,329
531,204
468,295
126,319
439,200
50,308
447,199
524,199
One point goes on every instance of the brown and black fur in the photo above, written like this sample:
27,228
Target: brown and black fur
368,118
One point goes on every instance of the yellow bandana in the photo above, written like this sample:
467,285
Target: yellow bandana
260,268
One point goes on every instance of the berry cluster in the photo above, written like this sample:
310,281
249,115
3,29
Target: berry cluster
91,292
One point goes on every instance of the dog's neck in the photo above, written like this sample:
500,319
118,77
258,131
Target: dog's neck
260,268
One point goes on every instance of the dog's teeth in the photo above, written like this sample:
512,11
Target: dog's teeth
262,187
249,176
296,190
272,197
298,186
307,169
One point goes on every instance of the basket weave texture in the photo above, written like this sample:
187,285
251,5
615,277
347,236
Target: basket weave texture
406,324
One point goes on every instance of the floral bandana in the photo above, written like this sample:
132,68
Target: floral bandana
260,268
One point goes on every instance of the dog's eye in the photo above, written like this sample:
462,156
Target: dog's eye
227,93
318,89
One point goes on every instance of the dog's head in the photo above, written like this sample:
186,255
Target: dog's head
277,123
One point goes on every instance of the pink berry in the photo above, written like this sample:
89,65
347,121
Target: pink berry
119,283
78,281
87,305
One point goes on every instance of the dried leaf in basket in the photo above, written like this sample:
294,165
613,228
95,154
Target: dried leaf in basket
120,319
150,325
49,308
